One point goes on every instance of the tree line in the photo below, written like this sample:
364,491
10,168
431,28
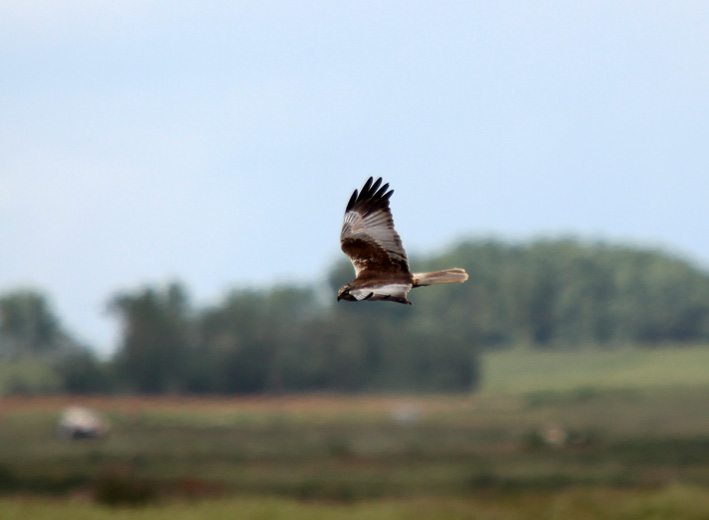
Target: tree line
544,294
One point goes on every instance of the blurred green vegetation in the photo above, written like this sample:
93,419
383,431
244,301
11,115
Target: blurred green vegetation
588,362
360,451
574,438
674,503
28,376
553,295
524,371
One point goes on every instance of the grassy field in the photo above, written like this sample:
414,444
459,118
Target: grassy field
667,504
523,371
621,434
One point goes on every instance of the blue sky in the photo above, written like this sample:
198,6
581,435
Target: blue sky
217,143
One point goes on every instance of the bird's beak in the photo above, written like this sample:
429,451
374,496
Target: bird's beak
338,298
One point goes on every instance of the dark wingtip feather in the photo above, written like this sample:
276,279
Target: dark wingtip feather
373,189
366,186
371,196
382,190
352,201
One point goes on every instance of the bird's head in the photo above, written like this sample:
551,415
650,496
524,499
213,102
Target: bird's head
344,293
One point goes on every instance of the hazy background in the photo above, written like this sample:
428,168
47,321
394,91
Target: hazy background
218,143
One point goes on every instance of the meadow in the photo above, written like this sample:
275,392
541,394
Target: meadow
616,434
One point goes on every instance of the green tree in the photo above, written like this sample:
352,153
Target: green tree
567,293
82,373
245,341
157,339
27,325
40,355
547,294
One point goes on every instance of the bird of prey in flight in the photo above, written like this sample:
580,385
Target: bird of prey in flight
374,247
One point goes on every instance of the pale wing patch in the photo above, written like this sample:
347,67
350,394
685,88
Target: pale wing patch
382,292
354,223
380,227
375,229
362,294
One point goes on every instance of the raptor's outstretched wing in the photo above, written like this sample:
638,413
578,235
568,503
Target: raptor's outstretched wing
368,236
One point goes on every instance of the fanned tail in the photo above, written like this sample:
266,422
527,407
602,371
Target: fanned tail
453,275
